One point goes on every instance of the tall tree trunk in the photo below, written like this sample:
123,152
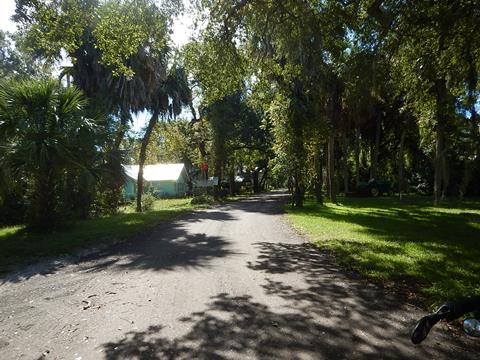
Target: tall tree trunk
296,119
256,182
203,152
467,175
263,182
298,181
345,163
143,154
357,155
401,164
445,176
298,190
441,110
336,112
231,182
122,129
441,114
218,174
376,150
331,169
438,176
327,168
318,174
203,160
194,113
290,188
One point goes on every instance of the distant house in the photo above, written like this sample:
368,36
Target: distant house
162,180
210,182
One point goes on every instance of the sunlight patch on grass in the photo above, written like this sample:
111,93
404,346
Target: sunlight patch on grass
10,230
436,251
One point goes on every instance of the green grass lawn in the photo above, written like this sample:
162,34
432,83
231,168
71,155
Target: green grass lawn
18,245
433,252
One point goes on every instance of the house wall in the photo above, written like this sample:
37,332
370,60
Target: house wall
162,188
165,188
182,183
168,188
130,189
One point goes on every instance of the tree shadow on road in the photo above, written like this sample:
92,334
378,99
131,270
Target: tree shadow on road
171,245
231,326
326,315
266,203
176,249
167,246
238,327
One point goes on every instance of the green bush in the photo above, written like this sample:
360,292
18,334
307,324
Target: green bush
147,201
203,199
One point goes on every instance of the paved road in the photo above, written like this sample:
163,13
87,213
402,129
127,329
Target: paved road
234,282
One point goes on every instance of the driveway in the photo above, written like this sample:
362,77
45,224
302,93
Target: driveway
233,282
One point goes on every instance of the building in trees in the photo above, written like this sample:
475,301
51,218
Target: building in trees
162,180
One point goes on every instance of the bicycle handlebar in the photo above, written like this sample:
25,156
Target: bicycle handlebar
449,311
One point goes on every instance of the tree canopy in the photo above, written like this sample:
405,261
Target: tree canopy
343,76
317,96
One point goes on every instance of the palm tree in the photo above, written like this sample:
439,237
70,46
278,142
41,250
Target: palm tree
168,98
152,88
42,124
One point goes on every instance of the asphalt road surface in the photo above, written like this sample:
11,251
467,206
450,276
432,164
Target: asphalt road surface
233,282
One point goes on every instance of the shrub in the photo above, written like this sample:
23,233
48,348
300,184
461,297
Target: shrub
147,201
203,199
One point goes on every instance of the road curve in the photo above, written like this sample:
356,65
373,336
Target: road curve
233,282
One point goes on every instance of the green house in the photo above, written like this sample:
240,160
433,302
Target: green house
162,180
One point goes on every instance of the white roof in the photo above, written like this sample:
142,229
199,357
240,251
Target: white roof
157,172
